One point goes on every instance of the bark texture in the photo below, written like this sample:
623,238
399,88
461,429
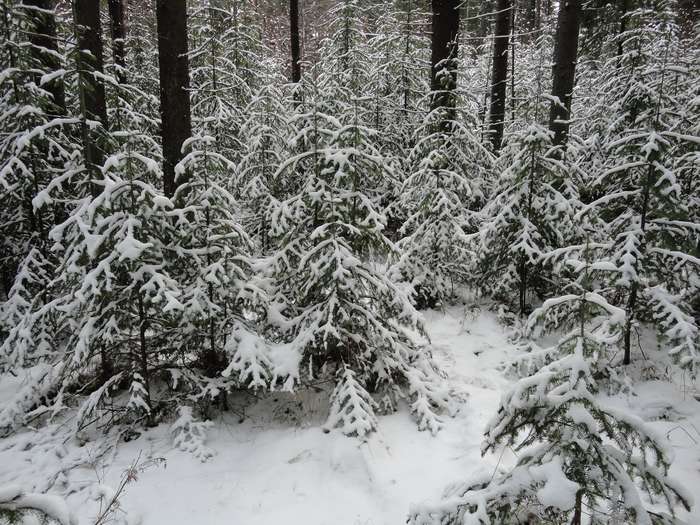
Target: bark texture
564,68
688,12
499,74
117,18
444,50
176,126
92,90
294,34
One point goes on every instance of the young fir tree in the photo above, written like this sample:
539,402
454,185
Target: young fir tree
340,311
35,141
645,184
111,315
214,271
345,65
576,456
440,197
218,92
530,213
266,141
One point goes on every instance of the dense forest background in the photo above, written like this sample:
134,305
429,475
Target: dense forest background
205,197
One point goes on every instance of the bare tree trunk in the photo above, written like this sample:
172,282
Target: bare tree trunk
86,15
688,12
294,33
176,126
92,91
624,6
499,75
444,51
564,68
44,45
578,511
117,18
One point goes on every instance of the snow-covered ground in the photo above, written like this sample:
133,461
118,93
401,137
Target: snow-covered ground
273,463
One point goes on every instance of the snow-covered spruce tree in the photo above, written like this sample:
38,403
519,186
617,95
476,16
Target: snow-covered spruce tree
397,62
398,57
530,213
346,63
265,135
646,183
339,310
218,91
440,196
576,456
213,268
142,62
111,318
35,141
229,63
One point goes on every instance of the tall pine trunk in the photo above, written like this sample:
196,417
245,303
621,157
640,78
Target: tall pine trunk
294,35
86,14
45,46
499,75
92,90
176,126
444,51
564,68
117,18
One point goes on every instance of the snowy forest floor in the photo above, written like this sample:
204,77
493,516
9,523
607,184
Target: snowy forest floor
274,464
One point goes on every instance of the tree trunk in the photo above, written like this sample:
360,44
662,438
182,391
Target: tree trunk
117,18
92,91
44,47
624,7
499,76
578,511
688,11
564,68
176,127
444,51
294,33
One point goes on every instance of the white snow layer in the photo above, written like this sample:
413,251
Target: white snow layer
273,468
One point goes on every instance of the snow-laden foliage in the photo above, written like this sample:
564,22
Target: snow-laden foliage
440,197
36,144
266,135
530,213
17,504
642,187
576,454
338,304
189,434
352,408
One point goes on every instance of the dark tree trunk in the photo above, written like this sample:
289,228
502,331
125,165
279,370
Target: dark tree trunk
176,127
624,6
294,34
86,14
44,45
688,11
117,18
444,50
564,68
499,75
92,90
